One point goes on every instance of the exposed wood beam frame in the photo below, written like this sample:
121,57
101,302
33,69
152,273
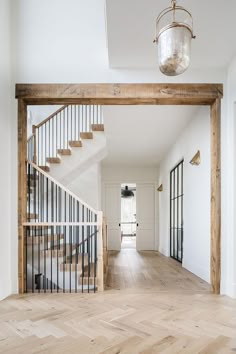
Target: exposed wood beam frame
126,94
106,94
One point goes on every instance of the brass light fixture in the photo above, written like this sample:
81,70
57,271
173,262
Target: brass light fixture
174,33
196,160
160,188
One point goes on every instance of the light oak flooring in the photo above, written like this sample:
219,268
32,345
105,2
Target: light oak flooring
155,307
150,271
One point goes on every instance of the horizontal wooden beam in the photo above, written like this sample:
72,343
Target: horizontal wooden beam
120,94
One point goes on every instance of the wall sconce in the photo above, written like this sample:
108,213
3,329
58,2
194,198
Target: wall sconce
196,160
160,188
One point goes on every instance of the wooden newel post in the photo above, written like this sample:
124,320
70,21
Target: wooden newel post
34,144
22,199
100,268
215,196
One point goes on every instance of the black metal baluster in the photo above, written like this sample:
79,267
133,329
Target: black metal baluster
27,237
95,252
83,249
88,248
67,124
177,202
64,244
70,237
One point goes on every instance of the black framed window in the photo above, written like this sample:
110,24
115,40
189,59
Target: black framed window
176,212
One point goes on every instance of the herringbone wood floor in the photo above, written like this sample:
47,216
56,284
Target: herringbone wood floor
173,312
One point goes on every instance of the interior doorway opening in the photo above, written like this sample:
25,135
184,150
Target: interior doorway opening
128,215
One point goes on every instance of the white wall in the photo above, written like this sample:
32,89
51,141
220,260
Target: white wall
42,40
88,186
196,247
229,196
5,146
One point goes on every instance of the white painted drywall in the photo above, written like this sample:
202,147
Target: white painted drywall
5,148
229,195
87,186
196,248
40,55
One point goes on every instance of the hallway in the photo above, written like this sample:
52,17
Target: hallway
146,270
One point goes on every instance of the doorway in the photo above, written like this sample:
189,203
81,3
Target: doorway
128,216
176,212
118,94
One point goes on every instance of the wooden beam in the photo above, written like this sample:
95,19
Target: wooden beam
22,195
215,196
129,94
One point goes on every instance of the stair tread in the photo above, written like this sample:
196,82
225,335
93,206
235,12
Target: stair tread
45,168
35,239
75,143
32,216
64,152
53,159
97,127
74,258
86,135
86,271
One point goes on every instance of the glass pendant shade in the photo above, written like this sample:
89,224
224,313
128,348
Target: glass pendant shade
174,40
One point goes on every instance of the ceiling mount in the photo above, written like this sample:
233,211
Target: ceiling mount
174,33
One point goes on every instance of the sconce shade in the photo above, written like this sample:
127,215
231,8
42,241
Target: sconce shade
196,160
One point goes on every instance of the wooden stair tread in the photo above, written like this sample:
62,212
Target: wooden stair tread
32,216
75,143
64,152
74,258
86,271
58,250
45,168
86,135
53,159
97,127
36,239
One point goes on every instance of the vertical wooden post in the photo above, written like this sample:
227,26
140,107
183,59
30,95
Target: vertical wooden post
22,199
100,266
34,146
215,196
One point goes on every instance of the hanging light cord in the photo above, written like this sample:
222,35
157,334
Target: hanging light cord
173,3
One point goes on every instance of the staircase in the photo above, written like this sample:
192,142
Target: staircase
64,243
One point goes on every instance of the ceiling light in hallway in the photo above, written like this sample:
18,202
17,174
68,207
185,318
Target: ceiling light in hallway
174,33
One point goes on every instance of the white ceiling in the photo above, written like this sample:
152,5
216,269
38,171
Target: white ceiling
142,135
130,31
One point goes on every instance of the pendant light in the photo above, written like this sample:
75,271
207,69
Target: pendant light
127,193
174,33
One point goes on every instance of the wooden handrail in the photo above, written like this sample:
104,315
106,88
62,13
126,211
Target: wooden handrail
50,117
62,187
55,224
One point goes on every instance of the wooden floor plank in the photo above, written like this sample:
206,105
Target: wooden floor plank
151,305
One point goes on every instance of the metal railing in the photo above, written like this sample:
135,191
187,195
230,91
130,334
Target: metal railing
61,258
61,129
60,237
